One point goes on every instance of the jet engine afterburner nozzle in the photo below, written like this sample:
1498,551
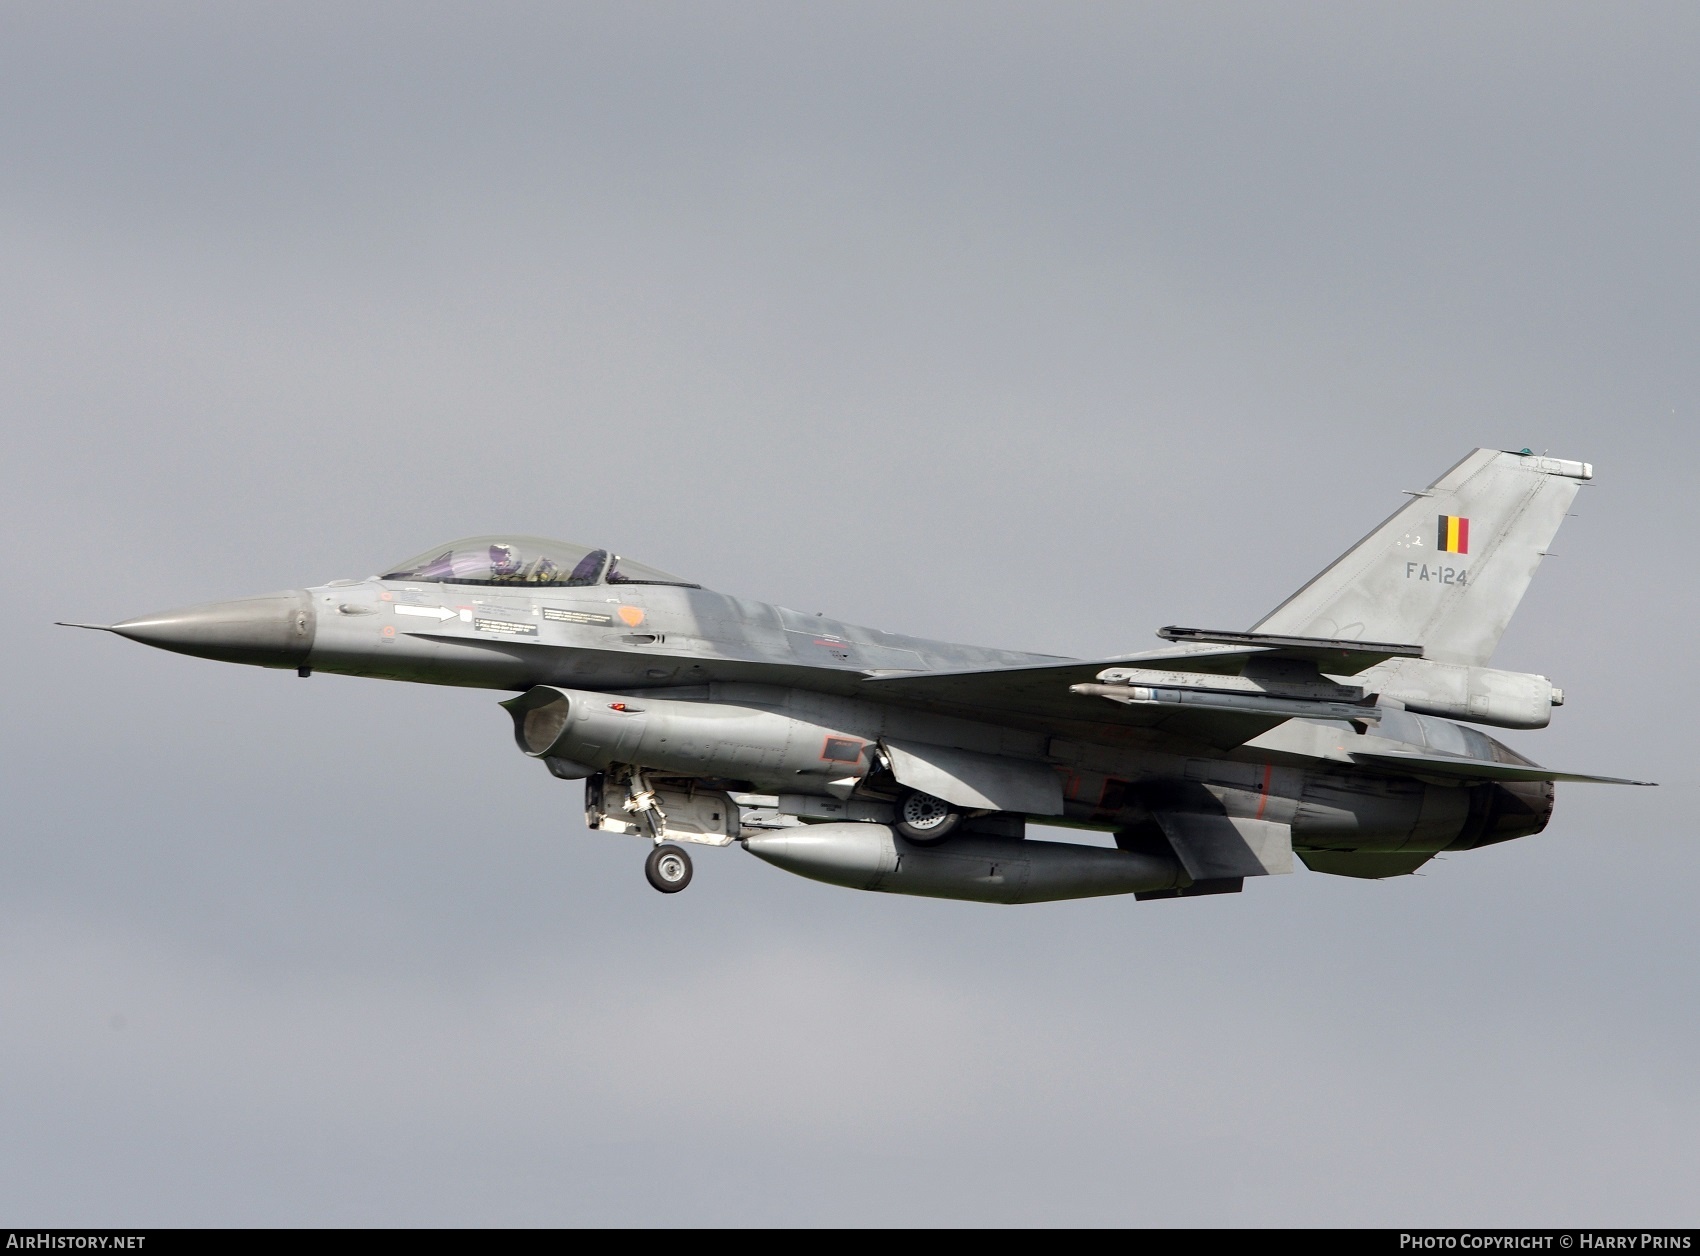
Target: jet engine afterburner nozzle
271,630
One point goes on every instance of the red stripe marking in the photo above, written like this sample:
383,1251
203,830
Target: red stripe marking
1463,536
1263,801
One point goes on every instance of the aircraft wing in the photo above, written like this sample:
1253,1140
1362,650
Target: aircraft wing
1210,651
1042,692
1047,691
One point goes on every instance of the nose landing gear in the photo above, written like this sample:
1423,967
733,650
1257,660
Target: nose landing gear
668,868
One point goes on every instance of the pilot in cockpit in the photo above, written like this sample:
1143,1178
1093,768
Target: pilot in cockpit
526,560
503,564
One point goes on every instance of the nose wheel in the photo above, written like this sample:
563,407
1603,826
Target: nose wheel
668,869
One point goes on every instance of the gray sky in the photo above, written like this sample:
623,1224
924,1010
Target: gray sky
1028,325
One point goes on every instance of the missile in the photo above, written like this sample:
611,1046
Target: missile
1230,701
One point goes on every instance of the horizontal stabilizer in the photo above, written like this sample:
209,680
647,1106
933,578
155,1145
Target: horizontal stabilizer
1478,769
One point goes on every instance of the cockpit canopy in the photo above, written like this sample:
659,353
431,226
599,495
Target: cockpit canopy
526,560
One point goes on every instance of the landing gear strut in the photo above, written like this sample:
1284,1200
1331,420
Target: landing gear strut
668,868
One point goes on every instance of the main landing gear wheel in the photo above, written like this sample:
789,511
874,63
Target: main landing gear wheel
924,819
668,869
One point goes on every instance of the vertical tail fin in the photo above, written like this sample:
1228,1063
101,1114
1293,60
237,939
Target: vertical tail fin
1448,569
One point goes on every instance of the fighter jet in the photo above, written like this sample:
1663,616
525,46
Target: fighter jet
1340,728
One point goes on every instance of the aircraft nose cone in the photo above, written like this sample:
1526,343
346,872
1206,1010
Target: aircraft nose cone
272,630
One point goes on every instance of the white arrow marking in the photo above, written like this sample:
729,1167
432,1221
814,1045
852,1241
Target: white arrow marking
438,613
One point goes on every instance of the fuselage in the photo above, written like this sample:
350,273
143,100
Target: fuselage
751,692
1325,732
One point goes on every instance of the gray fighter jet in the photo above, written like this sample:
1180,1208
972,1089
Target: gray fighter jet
877,761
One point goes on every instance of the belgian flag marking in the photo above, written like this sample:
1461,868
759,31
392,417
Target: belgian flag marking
1454,535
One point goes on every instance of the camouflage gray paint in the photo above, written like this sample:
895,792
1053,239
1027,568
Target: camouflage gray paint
882,761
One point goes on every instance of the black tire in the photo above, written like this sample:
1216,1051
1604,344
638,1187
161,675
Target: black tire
668,869
926,820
